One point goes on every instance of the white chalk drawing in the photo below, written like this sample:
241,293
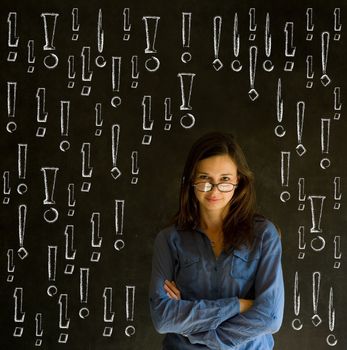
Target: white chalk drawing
297,323
84,286
71,71
279,129
22,217
41,113
252,24
87,170
337,192
49,23
11,105
337,24
147,122
309,24
116,73
49,177
289,49
52,269
100,37
6,187
317,202
38,329
71,199
309,71
325,142
316,279
135,71
13,38
64,124
302,195
267,64
19,314
70,252
75,26
134,167
108,313
325,38
22,166
168,114
115,172
130,309
236,65
98,120
337,102
186,30
187,121
331,338
152,64
64,321
96,240
87,73
337,252
300,115
253,53
285,169
10,265
126,24
31,56
119,243
301,242
217,28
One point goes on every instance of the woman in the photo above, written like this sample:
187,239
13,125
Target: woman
216,276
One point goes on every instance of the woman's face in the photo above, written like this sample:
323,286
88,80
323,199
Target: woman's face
215,169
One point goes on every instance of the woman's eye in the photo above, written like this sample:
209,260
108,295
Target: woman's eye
226,178
203,177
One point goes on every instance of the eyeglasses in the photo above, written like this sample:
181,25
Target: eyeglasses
207,186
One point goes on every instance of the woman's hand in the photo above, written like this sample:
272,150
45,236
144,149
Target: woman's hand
171,290
245,304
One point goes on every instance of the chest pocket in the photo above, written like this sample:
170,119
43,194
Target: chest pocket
245,264
188,270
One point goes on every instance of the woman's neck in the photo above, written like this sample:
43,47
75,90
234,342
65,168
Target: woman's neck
211,222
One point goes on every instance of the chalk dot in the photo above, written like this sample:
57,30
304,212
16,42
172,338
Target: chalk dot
51,215
52,290
84,312
285,196
11,127
129,331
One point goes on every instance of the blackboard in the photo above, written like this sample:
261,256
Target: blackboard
100,102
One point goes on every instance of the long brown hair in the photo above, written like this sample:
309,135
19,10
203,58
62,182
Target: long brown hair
238,223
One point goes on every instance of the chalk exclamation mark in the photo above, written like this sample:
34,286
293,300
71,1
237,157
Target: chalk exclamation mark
285,167
64,321
309,24
147,122
116,70
52,269
325,80
289,46
337,24
135,167
71,71
38,329
296,323
316,278
100,60
98,119
280,131
118,223
11,105
19,315
10,265
49,177
317,243
71,200
331,338
217,28
22,166
236,64
134,71
301,242
252,24
337,103
115,172
75,24
309,71
152,64
31,56
168,113
253,53
84,285
337,252
87,170
302,195
41,114
87,73
96,240
130,309
22,217
325,142
6,187
108,313
300,114
186,29
13,39
186,83
267,64
337,192
49,23
70,252
64,124
126,24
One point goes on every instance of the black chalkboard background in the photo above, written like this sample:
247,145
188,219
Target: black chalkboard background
61,223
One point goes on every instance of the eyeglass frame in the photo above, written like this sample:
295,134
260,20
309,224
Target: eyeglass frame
215,185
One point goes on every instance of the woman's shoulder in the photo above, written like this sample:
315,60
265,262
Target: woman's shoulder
265,228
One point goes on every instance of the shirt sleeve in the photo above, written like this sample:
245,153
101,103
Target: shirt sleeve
182,316
266,314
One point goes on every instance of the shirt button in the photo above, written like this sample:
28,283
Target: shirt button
216,268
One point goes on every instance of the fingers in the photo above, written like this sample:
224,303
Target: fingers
171,290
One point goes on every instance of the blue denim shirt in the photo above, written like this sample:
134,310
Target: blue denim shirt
208,314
